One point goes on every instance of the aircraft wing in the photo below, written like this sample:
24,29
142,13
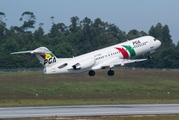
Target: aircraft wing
116,61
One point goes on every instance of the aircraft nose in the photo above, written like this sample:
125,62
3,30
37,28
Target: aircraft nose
158,43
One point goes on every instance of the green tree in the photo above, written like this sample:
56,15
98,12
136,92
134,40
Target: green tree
142,33
75,25
166,37
2,16
52,18
38,34
78,38
29,20
58,30
64,50
9,46
2,33
133,34
156,31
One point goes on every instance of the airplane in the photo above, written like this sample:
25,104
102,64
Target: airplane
108,57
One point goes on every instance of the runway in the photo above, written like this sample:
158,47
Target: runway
88,110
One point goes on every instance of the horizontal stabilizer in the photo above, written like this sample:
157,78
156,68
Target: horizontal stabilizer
40,50
46,57
22,52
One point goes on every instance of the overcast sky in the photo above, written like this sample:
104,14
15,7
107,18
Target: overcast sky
126,14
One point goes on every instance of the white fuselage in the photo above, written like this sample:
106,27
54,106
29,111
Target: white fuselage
96,59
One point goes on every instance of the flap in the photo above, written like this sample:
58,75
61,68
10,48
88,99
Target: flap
121,62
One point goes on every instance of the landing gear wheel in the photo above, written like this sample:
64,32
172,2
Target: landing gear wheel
149,57
91,73
110,72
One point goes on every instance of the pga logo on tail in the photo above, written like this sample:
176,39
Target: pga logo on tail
48,58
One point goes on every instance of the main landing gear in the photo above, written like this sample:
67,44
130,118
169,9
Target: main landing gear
110,72
92,73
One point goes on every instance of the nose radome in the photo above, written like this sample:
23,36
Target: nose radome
159,43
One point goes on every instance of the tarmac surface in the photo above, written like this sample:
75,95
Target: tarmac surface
88,110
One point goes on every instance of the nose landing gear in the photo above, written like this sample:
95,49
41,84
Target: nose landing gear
149,57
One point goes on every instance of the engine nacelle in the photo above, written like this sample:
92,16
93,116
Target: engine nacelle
84,64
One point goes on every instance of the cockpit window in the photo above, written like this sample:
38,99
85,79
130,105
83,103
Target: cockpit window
155,39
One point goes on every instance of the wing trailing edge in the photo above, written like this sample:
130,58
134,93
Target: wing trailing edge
121,62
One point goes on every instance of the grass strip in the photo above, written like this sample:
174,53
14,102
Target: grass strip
125,87
58,102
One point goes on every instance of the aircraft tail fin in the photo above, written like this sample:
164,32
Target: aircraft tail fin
45,56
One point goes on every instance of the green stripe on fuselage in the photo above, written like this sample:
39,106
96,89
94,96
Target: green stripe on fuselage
131,51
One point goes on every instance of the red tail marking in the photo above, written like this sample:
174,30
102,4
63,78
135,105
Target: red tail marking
124,52
43,56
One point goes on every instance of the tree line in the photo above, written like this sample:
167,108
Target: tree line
80,37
